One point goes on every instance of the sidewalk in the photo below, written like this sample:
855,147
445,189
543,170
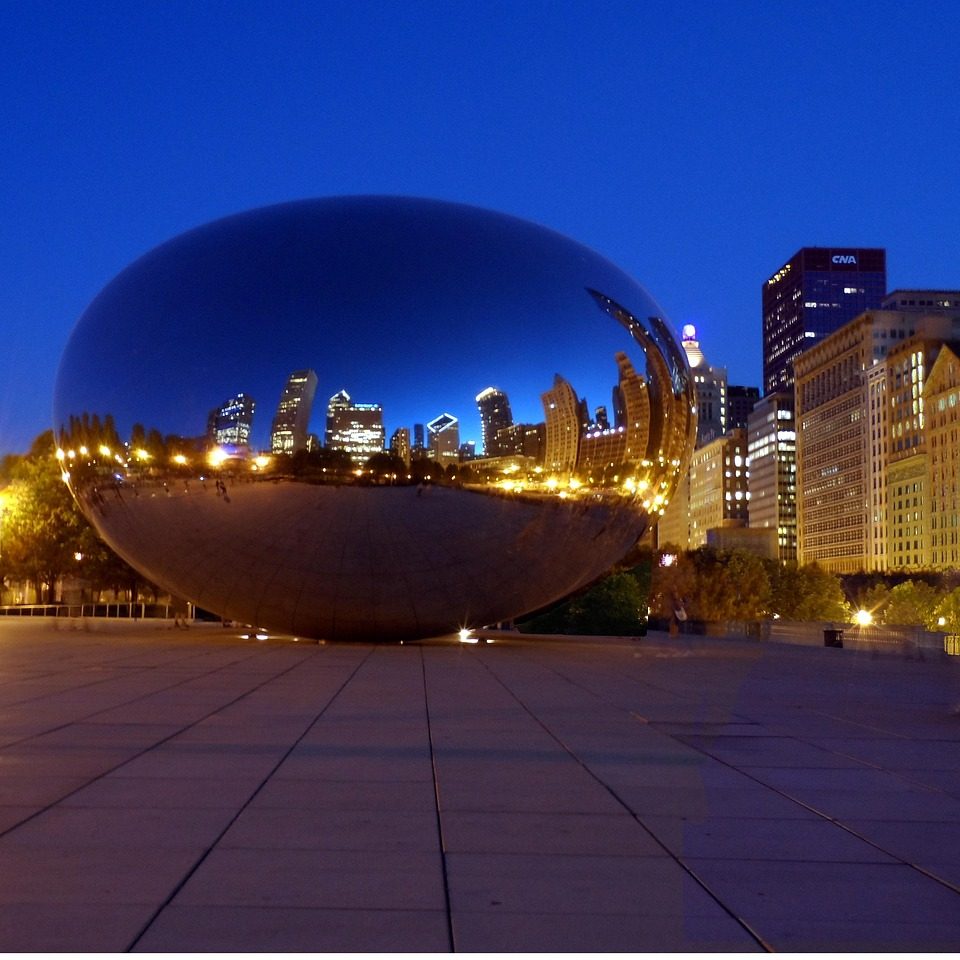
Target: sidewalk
165,790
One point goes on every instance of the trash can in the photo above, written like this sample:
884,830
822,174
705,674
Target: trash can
833,638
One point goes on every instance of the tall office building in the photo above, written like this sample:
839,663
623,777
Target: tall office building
289,430
740,401
400,444
230,425
814,293
719,486
523,440
711,388
625,443
354,428
772,450
444,434
942,396
923,301
419,448
562,414
495,415
855,421
906,451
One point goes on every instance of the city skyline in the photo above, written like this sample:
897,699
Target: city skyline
127,126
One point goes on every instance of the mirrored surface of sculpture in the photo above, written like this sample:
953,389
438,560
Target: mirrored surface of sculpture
372,418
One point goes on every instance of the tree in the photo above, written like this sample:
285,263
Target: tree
673,581
42,528
807,593
731,585
614,607
911,602
874,599
948,609
44,531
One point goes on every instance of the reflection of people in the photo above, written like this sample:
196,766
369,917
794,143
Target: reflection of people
679,617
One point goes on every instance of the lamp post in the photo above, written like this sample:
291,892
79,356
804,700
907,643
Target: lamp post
3,510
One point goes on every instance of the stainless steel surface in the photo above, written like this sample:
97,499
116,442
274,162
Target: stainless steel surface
413,306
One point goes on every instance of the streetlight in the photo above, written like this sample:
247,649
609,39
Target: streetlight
4,497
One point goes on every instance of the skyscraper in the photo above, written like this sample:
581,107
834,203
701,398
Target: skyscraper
740,401
626,442
289,430
772,449
719,486
232,423
711,387
858,425
814,293
400,444
562,415
444,433
354,428
495,415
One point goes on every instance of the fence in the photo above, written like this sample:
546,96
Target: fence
123,611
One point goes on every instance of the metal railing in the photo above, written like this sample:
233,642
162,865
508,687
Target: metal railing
115,610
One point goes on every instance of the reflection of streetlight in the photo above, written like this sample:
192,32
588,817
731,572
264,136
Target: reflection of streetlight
216,456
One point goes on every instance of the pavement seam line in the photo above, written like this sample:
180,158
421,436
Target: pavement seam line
778,791
613,793
436,804
142,752
203,856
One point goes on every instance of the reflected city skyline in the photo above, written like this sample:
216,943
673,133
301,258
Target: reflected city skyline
568,441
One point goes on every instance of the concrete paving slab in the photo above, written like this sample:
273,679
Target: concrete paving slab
324,795
569,884
344,879
488,932
813,891
68,828
181,791
113,792
53,927
105,875
617,834
886,935
266,828
300,930
729,838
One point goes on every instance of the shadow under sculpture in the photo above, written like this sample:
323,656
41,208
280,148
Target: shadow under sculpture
188,431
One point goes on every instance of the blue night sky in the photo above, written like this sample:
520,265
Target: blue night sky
696,145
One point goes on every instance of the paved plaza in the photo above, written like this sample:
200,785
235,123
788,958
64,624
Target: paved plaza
170,790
